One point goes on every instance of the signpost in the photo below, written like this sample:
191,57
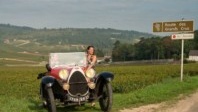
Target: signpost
176,26
182,37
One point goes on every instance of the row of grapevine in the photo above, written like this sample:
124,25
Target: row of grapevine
21,81
129,78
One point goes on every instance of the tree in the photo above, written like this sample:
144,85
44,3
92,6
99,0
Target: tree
152,48
99,53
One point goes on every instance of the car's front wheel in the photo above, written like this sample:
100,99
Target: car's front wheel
106,99
51,106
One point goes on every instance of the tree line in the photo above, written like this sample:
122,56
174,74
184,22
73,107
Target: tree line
153,48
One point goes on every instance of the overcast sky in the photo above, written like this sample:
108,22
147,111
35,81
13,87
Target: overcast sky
137,15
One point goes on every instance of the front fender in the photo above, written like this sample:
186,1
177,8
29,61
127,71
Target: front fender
46,81
107,76
101,79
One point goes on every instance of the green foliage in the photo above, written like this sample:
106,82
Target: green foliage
99,53
130,78
122,52
153,48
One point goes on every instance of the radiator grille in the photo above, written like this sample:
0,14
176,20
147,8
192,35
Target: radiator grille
78,84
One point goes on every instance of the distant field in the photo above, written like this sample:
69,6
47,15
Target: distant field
28,50
20,88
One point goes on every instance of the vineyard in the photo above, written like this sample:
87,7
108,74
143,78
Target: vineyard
129,78
20,84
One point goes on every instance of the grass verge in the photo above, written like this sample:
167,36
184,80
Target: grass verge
168,89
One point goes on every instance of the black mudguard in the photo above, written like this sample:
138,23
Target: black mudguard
101,79
107,76
46,81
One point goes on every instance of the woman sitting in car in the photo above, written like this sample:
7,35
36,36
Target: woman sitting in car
91,57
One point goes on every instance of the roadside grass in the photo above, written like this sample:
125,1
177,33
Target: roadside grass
169,89
20,92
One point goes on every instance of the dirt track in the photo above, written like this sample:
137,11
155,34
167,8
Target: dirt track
186,104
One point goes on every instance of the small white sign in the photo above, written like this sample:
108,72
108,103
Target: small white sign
182,36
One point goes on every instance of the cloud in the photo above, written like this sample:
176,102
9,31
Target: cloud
120,14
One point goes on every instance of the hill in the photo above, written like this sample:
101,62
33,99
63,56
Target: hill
25,41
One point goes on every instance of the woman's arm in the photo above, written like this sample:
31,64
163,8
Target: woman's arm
93,62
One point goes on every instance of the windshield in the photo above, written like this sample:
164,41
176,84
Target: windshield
67,59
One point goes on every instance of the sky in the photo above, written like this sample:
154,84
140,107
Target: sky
138,15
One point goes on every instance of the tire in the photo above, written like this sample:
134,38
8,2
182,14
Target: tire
106,100
51,106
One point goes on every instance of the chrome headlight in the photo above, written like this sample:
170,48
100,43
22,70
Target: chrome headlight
63,74
66,86
91,85
90,73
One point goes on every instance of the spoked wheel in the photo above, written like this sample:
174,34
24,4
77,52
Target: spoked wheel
107,97
51,106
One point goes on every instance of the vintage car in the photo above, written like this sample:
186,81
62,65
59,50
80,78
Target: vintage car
68,82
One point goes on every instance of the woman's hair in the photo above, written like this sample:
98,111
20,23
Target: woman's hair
90,47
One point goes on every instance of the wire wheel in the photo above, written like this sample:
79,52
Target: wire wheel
106,100
51,106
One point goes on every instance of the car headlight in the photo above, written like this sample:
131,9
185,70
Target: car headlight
90,73
63,74
91,85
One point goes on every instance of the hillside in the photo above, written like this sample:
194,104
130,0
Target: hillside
101,38
22,42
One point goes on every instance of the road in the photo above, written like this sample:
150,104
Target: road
185,104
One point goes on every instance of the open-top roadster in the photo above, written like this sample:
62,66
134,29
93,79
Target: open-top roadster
68,82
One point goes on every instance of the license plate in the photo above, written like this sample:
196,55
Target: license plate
74,99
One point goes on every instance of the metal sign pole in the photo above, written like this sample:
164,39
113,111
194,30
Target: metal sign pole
182,58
